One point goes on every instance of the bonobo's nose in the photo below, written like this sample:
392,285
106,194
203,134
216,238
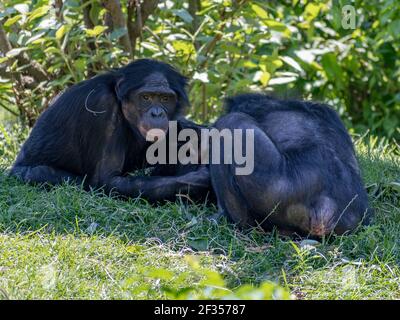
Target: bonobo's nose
157,112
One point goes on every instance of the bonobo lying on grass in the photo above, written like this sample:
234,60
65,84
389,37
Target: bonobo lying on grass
306,178
97,128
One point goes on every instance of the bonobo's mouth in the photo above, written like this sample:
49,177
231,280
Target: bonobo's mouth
153,134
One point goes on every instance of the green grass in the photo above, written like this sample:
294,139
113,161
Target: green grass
67,243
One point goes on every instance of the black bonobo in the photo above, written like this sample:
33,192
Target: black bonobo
96,130
306,179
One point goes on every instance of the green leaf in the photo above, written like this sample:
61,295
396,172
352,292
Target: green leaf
61,31
308,56
97,30
199,244
281,80
15,52
52,50
3,59
203,77
22,8
259,11
395,185
183,14
265,78
118,33
39,12
332,68
262,76
34,39
293,63
160,273
212,278
394,28
95,12
278,26
150,46
184,47
12,20
311,11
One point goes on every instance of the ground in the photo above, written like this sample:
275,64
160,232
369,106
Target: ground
63,243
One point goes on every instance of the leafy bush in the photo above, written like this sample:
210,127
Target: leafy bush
290,47
11,138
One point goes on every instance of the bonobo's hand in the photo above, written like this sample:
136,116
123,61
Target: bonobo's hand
197,178
184,123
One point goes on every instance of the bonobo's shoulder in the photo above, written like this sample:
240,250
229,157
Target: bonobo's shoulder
88,92
104,82
257,104
246,101
254,104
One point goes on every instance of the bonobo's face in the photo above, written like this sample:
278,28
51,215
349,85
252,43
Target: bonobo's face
151,106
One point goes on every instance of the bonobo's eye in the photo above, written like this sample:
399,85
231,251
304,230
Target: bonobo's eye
164,98
145,97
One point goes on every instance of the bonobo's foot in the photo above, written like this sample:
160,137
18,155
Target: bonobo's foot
42,174
217,216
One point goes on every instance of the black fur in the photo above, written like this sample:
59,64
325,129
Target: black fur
306,178
84,134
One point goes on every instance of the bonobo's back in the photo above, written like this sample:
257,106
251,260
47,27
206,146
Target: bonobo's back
305,123
305,179
259,106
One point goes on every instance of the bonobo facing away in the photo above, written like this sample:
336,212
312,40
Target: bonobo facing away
96,129
306,179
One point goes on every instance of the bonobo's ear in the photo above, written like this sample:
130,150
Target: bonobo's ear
117,88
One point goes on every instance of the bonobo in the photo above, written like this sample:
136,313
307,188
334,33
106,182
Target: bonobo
96,132
306,179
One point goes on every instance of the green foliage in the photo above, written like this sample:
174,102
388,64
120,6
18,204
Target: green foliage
213,286
288,47
78,266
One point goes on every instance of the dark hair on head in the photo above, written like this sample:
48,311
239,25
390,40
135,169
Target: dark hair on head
131,77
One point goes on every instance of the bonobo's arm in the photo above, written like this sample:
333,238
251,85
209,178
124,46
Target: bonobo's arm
157,188
189,180
178,169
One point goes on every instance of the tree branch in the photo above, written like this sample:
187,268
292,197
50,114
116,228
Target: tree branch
194,7
58,4
108,22
86,14
118,20
32,67
224,17
2,105
28,78
138,13
90,42
5,45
